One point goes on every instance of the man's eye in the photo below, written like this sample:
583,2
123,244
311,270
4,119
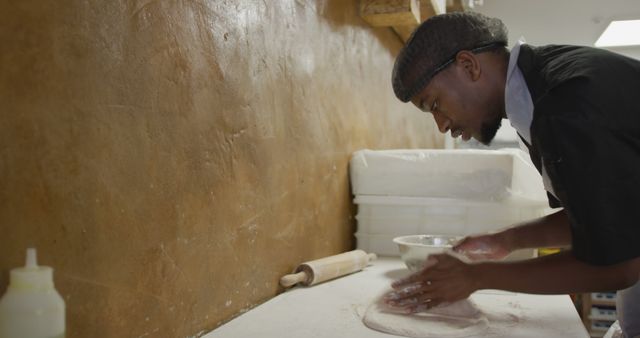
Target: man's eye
434,106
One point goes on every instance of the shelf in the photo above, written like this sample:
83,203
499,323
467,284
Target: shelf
597,299
603,303
603,318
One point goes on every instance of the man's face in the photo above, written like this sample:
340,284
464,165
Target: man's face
462,102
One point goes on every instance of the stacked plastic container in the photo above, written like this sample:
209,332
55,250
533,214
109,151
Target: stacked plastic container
443,192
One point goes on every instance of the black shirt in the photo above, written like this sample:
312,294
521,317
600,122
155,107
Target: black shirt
586,132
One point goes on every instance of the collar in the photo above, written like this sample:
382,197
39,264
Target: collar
518,102
519,105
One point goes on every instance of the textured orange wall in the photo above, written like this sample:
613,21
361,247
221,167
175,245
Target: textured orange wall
172,159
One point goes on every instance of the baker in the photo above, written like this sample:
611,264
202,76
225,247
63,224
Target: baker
577,110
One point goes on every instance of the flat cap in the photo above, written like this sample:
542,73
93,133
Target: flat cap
435,43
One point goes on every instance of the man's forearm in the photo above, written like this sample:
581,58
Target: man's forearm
551,230
556,274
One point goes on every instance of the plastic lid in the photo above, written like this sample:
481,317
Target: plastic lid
31,276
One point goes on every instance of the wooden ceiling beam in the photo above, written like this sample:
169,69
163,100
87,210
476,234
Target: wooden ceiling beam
404,16
386,13
459,5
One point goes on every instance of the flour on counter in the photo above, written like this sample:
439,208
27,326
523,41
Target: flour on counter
459,319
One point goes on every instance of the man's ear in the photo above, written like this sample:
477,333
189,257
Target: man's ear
469,64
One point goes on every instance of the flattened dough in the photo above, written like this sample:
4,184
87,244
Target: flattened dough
459,319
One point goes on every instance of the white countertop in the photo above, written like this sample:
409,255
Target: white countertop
335,308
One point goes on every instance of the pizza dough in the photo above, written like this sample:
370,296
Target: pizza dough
459,319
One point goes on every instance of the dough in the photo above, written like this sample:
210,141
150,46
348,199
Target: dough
459,319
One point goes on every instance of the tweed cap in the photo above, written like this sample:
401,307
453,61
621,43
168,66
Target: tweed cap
435,43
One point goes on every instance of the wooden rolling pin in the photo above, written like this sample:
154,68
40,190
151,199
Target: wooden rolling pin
324,269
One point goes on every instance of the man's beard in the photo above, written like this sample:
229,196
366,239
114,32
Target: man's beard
489,129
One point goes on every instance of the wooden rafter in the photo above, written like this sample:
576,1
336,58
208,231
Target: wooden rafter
403,16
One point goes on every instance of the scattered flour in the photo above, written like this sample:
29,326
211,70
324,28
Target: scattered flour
459,319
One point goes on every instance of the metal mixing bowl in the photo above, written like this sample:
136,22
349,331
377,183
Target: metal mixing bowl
415,249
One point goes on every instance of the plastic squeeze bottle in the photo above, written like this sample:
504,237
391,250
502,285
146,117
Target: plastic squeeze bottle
31,307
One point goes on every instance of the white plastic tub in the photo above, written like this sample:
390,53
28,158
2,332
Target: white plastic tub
382,245
399,215
442,192
486,175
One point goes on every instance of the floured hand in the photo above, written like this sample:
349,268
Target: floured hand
445,279
484,247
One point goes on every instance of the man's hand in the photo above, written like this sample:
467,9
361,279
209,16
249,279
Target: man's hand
549,231
491,246
444,279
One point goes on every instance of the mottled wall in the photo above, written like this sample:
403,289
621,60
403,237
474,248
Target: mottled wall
172,159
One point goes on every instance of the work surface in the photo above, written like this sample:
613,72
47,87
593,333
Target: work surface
335,309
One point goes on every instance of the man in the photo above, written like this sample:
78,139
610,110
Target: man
577,110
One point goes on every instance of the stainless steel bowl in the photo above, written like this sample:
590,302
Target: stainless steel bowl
415,249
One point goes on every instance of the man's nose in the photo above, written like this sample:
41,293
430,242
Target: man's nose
442,122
